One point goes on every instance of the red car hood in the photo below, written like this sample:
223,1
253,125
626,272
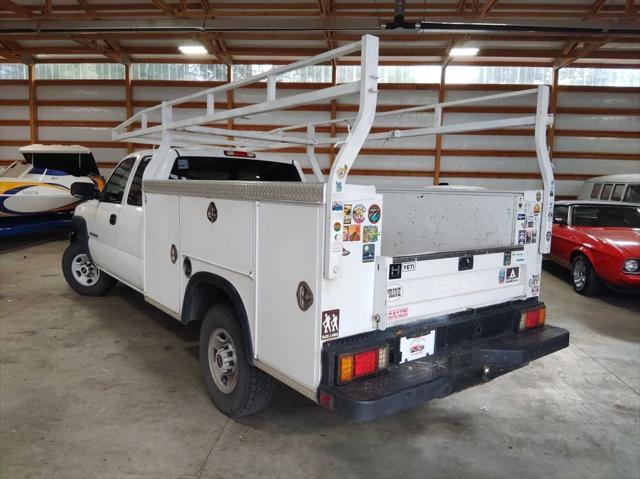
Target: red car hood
625,240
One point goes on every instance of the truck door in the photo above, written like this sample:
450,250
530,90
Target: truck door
130,230
103,238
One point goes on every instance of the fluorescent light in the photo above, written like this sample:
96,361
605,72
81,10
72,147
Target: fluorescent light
463,52
194,49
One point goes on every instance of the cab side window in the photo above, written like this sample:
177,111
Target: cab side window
561,214
595,192
113,191
135,190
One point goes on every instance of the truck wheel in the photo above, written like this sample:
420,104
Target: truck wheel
236,387
584,278
82,275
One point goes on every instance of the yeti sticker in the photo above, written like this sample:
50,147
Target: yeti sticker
330,324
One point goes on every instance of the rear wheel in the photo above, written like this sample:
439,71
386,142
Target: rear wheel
584,278
82,275
236,387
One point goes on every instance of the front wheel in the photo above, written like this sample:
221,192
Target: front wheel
82,275
236,387
584,278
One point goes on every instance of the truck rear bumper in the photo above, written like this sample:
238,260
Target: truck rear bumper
412,383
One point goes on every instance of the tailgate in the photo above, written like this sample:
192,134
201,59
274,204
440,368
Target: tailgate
409,288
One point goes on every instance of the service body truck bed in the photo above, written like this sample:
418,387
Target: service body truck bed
367,301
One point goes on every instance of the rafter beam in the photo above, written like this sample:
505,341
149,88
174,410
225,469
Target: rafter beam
205,5
14,52
164,6
597,5
587,49
486,7
108,51
116,48
216,47
15,8
86,7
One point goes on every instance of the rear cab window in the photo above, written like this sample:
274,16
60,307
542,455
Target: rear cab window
606,191
617,192
233,169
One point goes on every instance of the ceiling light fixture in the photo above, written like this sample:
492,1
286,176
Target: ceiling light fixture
463,52
193,49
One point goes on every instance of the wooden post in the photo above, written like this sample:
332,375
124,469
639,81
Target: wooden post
33,105
438,154
229,96
128,94
553,108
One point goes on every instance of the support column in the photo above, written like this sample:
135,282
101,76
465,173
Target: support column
128,95
553,107
438,154
230,100
334,115
33,105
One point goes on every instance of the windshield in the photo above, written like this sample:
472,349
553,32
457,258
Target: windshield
606,216
75,164
238,169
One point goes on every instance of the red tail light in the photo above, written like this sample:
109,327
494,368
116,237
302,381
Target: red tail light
365,363
239,154
532,318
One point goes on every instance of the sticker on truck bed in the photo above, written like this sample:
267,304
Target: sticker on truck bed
397,314
330,324
513,274
418,347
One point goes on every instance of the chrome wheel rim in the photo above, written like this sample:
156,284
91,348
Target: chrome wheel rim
579,273
84,271
222,360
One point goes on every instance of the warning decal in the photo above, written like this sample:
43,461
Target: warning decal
513,274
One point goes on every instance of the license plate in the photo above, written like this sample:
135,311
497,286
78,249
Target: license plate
417,347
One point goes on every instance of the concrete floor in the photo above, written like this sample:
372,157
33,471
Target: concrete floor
110,387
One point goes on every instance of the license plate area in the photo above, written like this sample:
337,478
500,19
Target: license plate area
417,347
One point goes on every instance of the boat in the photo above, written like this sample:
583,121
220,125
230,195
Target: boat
40,184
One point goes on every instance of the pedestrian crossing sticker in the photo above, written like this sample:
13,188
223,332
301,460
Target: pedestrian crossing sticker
330,324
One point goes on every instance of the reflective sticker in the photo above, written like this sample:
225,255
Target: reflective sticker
368,253
359,213
394,292
397,314
374,213
330,324
512,274
369,234
347,214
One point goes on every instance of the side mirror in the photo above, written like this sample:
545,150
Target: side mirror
85,191
558,220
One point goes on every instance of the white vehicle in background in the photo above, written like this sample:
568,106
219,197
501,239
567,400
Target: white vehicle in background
366,301
620,188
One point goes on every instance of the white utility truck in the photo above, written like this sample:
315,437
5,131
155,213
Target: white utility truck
366,301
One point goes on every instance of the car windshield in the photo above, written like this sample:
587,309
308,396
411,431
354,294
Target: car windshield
607,216
239,169
633,194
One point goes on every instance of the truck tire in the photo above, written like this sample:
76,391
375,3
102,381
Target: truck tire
583,277
236,387
82,275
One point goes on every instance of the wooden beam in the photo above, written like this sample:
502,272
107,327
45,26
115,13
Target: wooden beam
230,96
14,52
597,5
15,8
86,7
33,105
585,51
164,6
437,157
116,48
108,51
630,7
47,9
486,7
128,96
333,115
215,47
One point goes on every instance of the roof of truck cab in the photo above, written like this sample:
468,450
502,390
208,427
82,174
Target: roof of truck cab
37,148
593,203
220,153
625,178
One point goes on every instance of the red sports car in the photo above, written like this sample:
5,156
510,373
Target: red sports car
599,242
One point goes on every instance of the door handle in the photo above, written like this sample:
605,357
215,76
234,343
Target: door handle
112,219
